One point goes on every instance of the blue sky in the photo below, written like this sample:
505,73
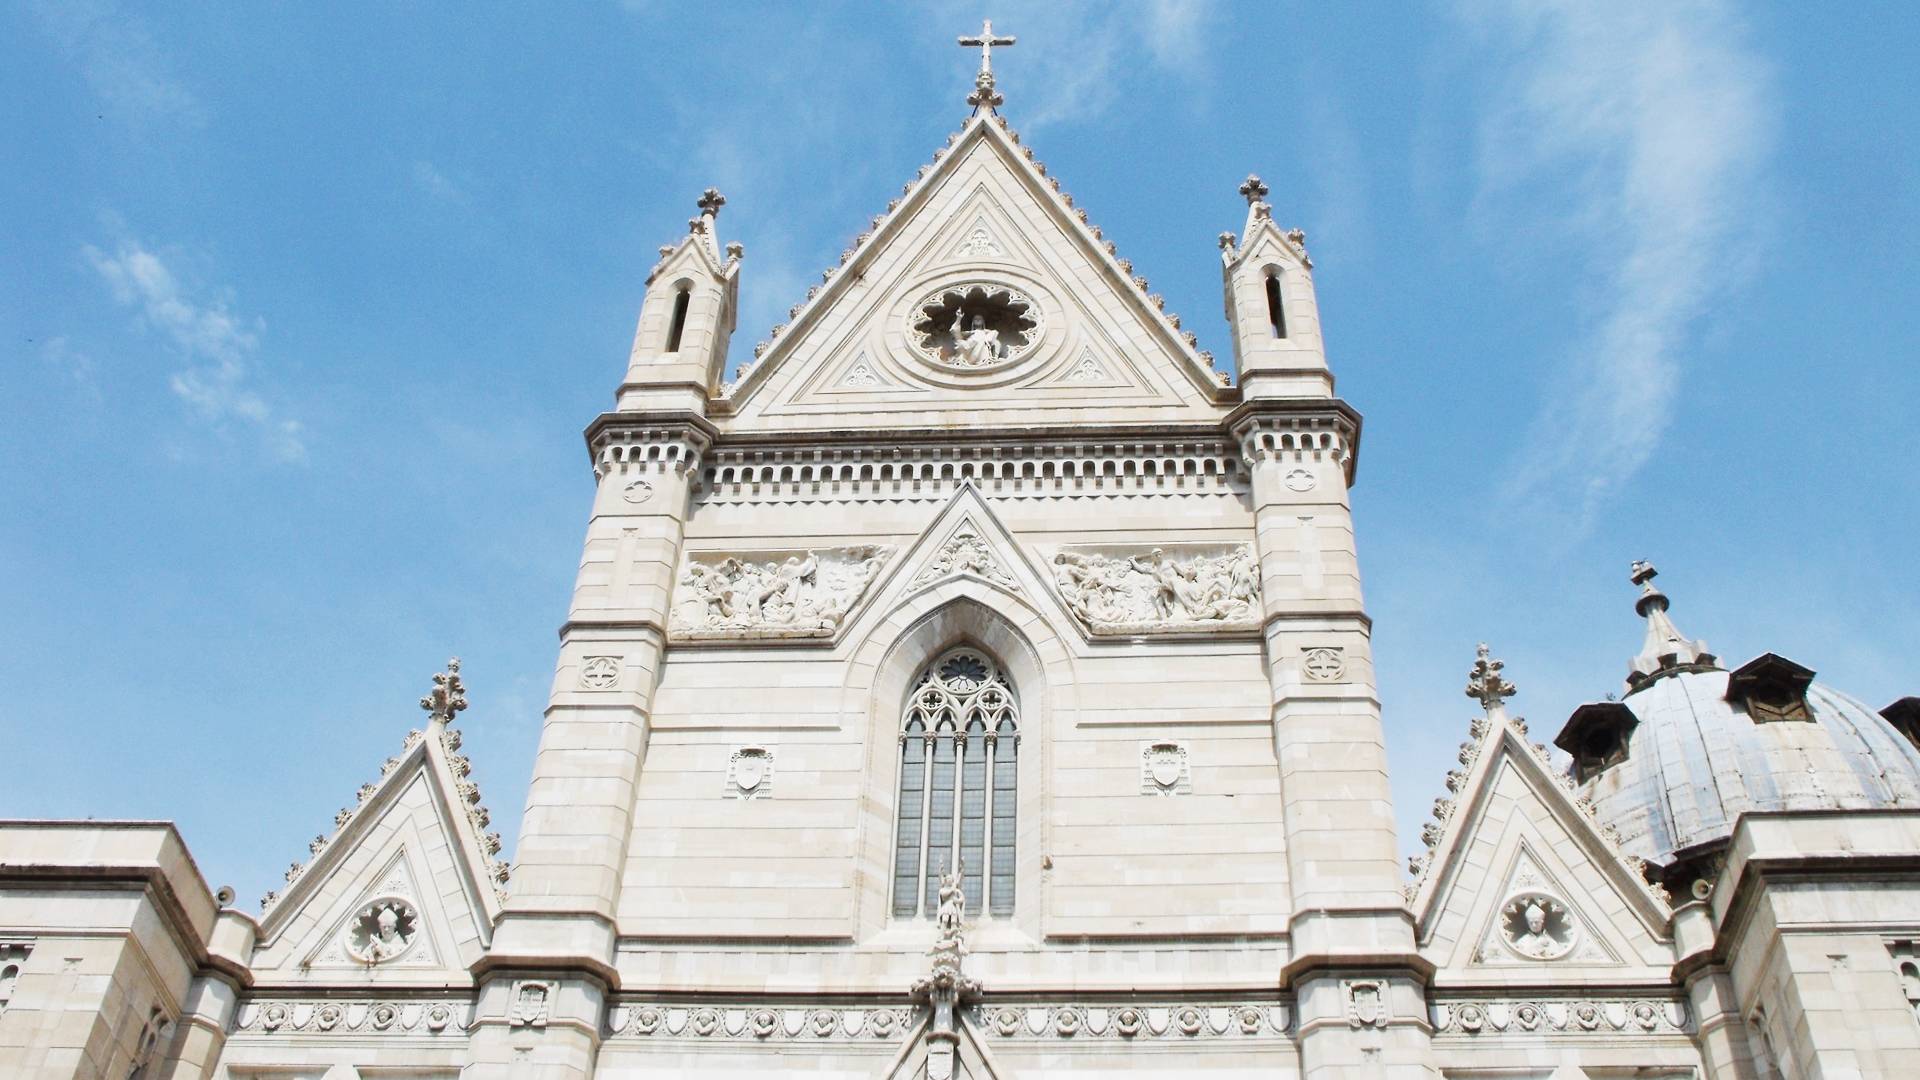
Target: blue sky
303,309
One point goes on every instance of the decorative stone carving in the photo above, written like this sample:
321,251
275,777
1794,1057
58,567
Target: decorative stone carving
804,594
1366,1002
600,673
637,492
1323,663
532,998
382,930
946,987
861,374
974,325
964,552
753,1022
1174,1022
1164,769
13,959
979,244
1298,480
1159,592
1087,369
1573,1016
350,1018
1536,926
750,773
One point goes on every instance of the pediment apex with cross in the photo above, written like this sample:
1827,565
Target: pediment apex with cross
984,95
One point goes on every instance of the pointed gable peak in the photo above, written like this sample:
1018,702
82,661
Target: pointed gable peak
1261,236
1495,737
436,751
701,244
985,128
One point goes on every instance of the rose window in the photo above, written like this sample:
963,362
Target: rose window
383,930
975,325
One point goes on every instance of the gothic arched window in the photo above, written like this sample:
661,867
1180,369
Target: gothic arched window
959,749
1276,314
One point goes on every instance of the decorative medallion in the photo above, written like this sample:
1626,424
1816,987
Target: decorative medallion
1087,369
532,998
1366,1002
600,673
1163,769
750,773
1536,926
979,244
382,930
974,325
1299,480
1324,663
860,375
637,492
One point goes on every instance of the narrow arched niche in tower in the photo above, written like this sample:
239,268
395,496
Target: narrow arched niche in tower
681,297
1276,314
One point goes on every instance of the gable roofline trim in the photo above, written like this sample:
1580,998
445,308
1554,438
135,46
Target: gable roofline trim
1494,740
993,129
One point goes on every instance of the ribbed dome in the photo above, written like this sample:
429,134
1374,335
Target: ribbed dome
1696,762
1691,747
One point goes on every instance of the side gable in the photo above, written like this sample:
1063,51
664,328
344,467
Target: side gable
984,214
1522,879
407,889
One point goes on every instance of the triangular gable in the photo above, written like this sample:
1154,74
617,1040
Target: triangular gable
965,539
406,890
1512,832
968,1058
984,194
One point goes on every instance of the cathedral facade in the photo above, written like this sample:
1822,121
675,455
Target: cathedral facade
979,685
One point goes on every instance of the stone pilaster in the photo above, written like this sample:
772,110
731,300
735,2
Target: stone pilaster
556,937
1359,982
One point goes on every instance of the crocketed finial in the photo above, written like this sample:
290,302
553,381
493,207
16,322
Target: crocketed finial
1486,684
1253,189
711,201
448,696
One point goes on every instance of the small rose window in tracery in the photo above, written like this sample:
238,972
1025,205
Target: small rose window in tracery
383,930
975,325
1537,926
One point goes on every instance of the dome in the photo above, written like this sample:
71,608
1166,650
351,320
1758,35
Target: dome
1692,746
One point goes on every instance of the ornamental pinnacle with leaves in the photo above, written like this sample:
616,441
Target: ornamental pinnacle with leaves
448,696
1486,685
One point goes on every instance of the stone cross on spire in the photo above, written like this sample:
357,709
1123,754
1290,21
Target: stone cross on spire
1666,649
1253,189
1486,684
983,92
448,696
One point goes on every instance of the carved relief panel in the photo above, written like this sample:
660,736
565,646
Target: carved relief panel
799,594
1183,588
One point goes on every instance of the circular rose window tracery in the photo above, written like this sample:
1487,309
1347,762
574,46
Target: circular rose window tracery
975,325
383,930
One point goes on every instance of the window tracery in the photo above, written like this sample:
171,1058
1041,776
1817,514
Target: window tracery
959,747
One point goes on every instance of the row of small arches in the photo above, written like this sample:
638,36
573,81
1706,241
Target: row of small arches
987,471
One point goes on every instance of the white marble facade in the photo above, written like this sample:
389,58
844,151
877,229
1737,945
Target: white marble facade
979,685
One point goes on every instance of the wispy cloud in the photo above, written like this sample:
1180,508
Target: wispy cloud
428,178
1650,125
217,347
122,63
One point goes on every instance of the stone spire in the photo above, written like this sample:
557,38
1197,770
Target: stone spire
984,95
1487,685
448,696
1666,649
